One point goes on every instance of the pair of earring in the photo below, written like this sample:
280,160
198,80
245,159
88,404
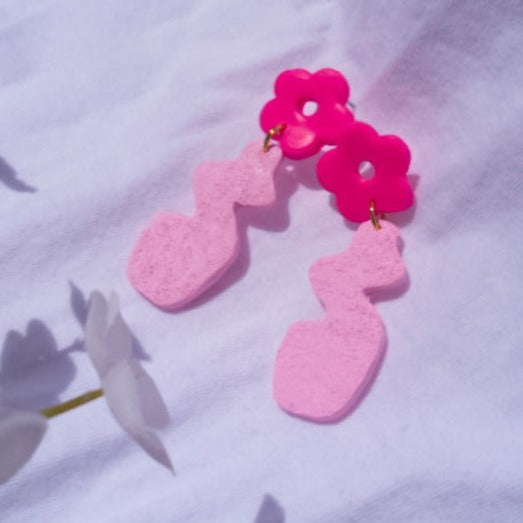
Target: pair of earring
323,367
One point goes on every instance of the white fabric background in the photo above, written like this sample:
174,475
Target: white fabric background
105,110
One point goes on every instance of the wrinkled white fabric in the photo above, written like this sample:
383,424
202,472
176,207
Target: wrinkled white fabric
105,110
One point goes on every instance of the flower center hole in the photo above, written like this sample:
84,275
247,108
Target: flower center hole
366,170
309,108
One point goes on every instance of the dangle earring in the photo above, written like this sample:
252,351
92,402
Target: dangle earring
177,258
324,367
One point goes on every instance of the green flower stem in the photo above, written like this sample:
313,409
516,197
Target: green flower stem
71,404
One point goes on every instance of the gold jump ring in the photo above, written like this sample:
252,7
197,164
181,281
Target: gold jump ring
373,216
271,134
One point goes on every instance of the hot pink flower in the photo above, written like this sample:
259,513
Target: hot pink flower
389,188
305,135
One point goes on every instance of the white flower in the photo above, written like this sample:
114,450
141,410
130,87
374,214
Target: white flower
129,391
131,394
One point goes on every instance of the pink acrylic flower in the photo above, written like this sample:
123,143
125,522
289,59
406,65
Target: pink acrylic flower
389,188
305,135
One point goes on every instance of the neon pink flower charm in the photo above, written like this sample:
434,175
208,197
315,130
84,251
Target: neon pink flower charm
305,135
389,188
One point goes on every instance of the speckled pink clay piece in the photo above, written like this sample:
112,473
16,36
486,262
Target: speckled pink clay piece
178,257
324,366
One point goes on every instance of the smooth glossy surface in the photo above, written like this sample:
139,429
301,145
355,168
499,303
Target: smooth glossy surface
389,188
323,96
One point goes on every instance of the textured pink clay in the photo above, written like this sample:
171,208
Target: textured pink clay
178,257
324,366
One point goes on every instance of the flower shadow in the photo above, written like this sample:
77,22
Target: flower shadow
421,499
33,371
270,511
8,177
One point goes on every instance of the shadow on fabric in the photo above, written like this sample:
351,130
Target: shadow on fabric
270,511
8,177
33,371
423,500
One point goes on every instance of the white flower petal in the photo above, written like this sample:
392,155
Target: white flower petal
95,330
152,444
107,336
113,307
119,342
97,314
137,405
131,394
20,434
152,406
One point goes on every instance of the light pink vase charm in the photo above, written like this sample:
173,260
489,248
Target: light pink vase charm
324,366
178,257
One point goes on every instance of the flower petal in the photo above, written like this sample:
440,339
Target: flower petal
136,404
330,85
291,81
131,394
394,156
96,321
113,307
108,339
119,341
152,444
